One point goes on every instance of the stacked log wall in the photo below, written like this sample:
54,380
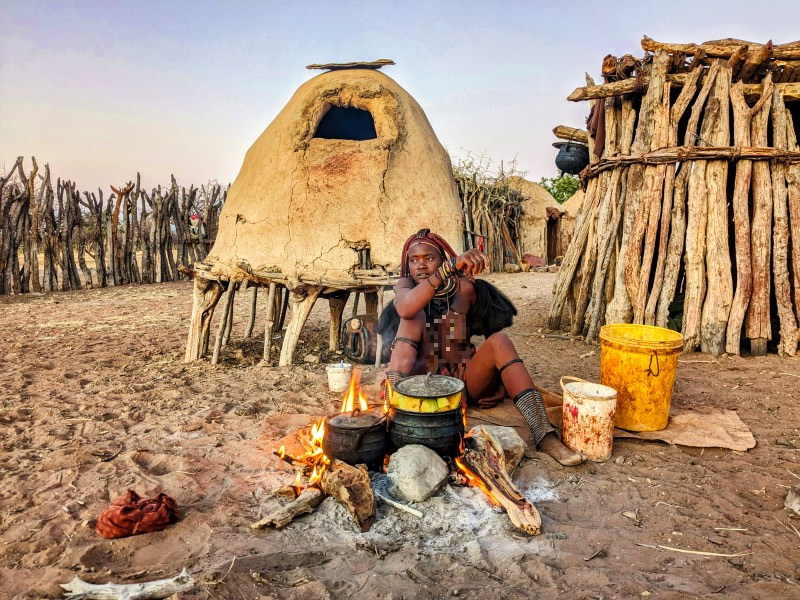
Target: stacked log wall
699,207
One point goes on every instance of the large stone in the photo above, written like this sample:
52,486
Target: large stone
416,473
513,445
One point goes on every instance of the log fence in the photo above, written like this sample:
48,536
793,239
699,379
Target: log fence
55,237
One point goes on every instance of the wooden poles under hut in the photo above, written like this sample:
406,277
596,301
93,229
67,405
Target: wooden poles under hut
691,216
282,295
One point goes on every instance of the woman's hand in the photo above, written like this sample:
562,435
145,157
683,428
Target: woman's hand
472,262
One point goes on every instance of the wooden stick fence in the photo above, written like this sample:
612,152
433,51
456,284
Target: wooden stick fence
132,236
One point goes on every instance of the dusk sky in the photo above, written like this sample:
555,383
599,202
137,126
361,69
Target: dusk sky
101,90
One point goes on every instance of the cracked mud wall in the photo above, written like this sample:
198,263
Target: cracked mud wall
302,204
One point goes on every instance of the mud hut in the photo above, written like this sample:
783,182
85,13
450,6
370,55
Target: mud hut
569,213
324,200
691,210
540,222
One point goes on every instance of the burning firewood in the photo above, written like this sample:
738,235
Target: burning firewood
306,502
487,470
351,487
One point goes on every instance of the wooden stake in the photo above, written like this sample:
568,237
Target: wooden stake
269,325
793,181
619,308
252,320
697,217
379,343
679,233
757,324
678,109
719,278
371,300
653,195
336,306
229,315
787,345
741,219
223,322
570,263
300,311
205,297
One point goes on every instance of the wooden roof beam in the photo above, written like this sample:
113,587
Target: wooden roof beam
723,48
752,91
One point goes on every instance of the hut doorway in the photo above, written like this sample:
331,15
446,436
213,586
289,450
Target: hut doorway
552,238
341,123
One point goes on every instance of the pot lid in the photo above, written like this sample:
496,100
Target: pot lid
429,386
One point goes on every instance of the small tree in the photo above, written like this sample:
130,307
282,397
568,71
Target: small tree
562,187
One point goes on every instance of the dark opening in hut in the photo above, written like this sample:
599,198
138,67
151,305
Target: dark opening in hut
341,123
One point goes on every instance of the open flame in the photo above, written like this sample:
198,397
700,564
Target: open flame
353,395
474,481
312,462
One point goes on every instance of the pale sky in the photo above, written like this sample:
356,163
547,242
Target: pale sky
101,90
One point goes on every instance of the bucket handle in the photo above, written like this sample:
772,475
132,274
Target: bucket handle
649,368
570,379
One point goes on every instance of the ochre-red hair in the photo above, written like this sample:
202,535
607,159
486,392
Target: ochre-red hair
429,238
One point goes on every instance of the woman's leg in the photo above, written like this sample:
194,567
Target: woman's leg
406,348
499,354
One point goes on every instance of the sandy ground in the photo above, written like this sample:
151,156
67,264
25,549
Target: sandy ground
96,399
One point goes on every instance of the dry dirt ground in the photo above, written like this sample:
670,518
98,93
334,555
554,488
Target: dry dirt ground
96,399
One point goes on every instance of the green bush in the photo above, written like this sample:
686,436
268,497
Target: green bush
562,187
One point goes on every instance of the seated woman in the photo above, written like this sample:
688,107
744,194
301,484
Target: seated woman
438,306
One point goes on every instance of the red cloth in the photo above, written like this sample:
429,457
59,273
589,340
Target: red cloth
596,124
131,514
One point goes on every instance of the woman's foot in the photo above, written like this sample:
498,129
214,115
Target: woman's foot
554,448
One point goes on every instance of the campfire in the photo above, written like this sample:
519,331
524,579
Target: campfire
356,435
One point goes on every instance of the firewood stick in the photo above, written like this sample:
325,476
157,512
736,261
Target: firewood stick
563,132
489,468
399,505
161,588
306,502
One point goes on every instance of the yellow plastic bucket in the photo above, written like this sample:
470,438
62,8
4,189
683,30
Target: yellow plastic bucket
640,361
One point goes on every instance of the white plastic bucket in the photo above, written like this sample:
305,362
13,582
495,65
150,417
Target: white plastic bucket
339,376
588,418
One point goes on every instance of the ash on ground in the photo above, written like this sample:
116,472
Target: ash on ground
459,521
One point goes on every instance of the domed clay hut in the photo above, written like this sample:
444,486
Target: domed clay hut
324,200
540,221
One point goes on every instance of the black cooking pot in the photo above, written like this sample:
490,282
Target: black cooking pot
572,157
356,439
442,432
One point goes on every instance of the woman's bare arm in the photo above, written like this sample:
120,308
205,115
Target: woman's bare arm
410,300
